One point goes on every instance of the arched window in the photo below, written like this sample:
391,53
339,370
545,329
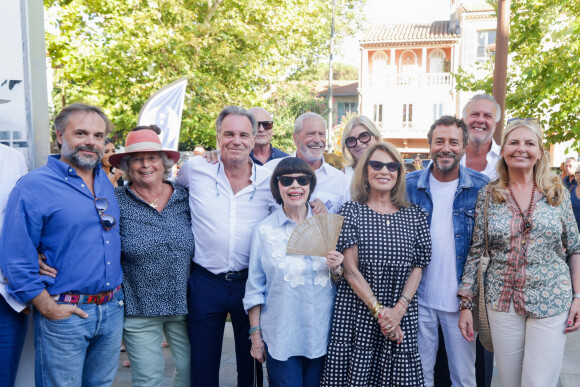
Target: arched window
380,59
437,61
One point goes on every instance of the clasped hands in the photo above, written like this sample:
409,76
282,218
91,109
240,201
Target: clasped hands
389,321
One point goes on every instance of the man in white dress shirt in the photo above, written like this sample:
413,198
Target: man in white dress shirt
13,322
227,200
310,140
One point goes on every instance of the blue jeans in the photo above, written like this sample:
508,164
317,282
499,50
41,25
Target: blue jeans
12,335
75,351
297,371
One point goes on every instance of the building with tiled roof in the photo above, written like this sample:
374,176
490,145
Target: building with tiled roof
406,82
410,33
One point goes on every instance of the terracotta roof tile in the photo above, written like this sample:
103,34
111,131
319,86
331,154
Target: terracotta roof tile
437,30
477,6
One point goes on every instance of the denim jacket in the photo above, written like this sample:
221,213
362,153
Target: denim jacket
470,182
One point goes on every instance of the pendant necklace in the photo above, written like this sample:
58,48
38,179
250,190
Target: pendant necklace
153,204
527,216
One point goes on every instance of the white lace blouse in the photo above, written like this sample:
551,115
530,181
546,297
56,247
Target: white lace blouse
295,291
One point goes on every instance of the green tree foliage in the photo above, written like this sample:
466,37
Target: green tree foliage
340,72
544,71
116,53
287,102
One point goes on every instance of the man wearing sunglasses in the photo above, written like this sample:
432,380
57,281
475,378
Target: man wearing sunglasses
447,192
263,150
67,211
310,140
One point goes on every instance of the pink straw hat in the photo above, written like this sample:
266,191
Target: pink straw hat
142,141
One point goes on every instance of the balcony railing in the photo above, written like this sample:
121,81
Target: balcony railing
399,79
398,129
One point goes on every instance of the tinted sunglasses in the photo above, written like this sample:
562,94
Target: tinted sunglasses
391,167
287,181
267,125
364,137
108,221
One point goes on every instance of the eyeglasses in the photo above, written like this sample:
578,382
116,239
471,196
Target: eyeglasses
267,125
108,221
149,159
391,167
364,137
287,181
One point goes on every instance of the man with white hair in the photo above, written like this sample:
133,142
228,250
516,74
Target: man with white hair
310,140
481,114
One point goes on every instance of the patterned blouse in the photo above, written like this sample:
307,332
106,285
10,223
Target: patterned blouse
529,268
156,253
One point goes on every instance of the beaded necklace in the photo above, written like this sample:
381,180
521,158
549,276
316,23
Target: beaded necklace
527,216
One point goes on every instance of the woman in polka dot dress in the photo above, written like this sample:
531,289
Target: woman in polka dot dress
386,244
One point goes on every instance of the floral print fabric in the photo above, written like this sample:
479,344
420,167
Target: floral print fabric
529,269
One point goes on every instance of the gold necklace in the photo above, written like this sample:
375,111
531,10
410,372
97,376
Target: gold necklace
154,202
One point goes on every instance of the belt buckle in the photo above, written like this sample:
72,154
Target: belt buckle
231,273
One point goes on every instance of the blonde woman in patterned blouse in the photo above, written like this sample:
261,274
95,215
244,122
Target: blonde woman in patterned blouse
533,279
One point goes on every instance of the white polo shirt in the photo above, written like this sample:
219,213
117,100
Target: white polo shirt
331,185
223,222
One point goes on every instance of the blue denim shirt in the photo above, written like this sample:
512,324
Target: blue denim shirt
470,182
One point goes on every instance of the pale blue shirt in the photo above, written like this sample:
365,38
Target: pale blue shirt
295,291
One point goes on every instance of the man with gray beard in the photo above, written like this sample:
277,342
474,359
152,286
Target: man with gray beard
447,192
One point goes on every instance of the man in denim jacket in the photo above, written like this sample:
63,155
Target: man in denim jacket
447,192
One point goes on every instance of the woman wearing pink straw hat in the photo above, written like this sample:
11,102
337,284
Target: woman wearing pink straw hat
157,249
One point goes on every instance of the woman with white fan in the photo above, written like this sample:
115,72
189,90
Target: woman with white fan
290,297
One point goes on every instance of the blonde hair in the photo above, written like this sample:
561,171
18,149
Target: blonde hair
546,182
360,187
366,123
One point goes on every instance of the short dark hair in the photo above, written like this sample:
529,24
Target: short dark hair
287,166
61,120
449,121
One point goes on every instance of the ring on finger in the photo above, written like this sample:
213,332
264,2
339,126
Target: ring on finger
388,326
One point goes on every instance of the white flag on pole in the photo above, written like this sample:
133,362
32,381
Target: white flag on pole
164,109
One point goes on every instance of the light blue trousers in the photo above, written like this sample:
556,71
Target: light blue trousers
142,337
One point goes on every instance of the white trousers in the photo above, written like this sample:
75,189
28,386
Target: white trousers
528,351
460,352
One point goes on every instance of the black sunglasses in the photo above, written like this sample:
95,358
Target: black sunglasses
364,137
267,125
391,167
108,221
287,181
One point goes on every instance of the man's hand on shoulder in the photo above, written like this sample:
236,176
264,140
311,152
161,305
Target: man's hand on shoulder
318,208
212,157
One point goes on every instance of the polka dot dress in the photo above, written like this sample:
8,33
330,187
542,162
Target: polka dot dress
388,247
